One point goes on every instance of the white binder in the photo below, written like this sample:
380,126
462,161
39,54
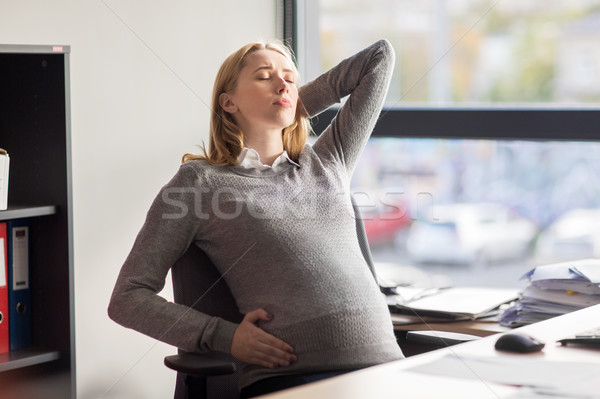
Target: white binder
4,164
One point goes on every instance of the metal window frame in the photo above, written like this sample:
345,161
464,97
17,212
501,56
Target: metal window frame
552,123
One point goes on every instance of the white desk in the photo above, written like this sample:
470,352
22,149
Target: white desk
394,380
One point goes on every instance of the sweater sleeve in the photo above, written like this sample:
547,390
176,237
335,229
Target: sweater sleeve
169,229
366,77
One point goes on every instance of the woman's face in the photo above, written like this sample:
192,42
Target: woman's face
266,96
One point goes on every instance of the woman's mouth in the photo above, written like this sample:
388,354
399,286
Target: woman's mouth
283,102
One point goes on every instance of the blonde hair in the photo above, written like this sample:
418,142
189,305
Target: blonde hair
226,138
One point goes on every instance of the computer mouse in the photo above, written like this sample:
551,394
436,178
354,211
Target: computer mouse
519,342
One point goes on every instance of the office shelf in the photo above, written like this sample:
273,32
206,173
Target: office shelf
35,131
18,212
26,357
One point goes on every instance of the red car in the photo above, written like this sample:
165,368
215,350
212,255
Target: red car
383,222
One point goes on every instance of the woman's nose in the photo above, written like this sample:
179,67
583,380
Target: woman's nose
283,86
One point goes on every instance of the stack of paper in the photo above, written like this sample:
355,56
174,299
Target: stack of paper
463,303
555,290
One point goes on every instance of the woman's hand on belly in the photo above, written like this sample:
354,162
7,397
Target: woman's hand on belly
253,345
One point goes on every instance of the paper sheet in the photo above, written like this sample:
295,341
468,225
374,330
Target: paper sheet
462,301
515,370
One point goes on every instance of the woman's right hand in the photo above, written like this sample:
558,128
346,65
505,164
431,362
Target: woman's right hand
251,344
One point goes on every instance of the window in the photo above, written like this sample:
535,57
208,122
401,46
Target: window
470,52
480,211
484,161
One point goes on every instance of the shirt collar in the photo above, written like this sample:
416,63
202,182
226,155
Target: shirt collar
250,159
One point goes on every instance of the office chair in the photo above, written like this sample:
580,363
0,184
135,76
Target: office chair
193,276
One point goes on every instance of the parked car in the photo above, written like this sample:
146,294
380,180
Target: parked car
470,233
574,235
385,218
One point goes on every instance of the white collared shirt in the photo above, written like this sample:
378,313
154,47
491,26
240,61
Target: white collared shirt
250,159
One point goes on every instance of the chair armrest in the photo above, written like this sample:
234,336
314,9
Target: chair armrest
201,365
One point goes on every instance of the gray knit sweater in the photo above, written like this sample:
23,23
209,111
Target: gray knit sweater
284,241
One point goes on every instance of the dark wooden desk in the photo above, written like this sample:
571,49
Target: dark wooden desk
414,323
414,345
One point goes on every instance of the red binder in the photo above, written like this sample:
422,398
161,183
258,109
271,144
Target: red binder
3,291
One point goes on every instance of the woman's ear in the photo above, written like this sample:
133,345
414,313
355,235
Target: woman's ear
227,103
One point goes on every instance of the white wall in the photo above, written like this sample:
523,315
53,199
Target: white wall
141,76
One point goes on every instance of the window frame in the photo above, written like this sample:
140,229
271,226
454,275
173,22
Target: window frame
519,122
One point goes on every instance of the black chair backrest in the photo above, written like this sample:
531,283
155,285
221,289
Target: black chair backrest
361,234
197,283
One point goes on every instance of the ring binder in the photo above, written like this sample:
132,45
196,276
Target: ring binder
19,294
4,316
4,166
